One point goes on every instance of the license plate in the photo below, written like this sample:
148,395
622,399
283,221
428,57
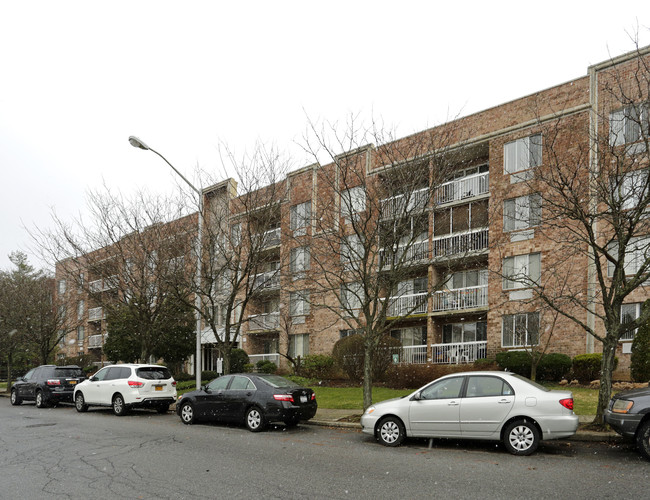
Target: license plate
73,382
303,399
158,387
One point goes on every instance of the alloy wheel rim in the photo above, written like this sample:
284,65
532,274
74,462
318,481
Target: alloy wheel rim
389,432
187,413
254,419
117,404
521,437
13,396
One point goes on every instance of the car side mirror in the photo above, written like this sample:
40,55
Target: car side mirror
416,397
93,379
22,379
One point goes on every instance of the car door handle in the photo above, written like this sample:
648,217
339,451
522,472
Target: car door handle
504,402
453,403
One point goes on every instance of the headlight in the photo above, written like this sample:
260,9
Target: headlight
370,410
622,406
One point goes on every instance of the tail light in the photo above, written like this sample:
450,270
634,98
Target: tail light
174,383
283,397
313,396
567,403
135,383
53,382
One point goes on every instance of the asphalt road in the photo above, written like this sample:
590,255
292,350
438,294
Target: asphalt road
58,453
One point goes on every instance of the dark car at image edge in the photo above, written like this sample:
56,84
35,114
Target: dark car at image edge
47,385
628,413
255,399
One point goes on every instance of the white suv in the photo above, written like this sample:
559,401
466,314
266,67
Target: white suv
127,386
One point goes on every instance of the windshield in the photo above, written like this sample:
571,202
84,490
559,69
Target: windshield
277,381
68,372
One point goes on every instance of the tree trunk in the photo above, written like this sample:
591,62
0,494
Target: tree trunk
367,377
606,369
225,352
533,370
9,362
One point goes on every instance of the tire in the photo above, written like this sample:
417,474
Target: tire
643,439
188,417
15,399
80,403
163,409
40,400
255,421
521,438
119,406
292,422
391,432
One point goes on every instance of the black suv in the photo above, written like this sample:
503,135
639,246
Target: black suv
629,414
47,384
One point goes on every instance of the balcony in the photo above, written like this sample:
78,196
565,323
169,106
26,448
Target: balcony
463,188
268,321
460,299
273,357
270,238
458,352
96,341
408,305
103,285
410,354
96,314
402,205
475,240
267,281
417,251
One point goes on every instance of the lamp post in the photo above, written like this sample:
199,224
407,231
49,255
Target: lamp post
137,143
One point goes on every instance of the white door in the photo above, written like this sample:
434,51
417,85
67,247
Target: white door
437,411
487,403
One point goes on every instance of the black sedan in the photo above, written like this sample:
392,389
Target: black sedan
253,398
629,414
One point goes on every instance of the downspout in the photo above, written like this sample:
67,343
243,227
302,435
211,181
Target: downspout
593,172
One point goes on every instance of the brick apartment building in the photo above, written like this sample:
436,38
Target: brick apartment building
478,230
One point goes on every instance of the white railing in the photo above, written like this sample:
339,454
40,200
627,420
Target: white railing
410,354
271,237
402,205
270,279
460,189
408,304
418,250
458,352
273,357
461,298
95,286
95,314
269,321
103,285
96,341
459,243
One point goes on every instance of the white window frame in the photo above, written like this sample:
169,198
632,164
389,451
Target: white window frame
299,216
300,259
61,287
351,250
80,310
299,345
522,212
634,312
637,251
522,154
353,201
629,124
80,334
631,188
521,321
521,271
299,303
351,296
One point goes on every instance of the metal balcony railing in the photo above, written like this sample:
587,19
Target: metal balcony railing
458,352
268,280
273,357
416,251
460,243
461,298
402,205
271,237
460,189
268,321
407,305
410,354
96,341
96,314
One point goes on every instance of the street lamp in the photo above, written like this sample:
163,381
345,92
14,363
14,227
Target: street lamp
137,143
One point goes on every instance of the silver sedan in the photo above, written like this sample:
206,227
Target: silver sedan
491,405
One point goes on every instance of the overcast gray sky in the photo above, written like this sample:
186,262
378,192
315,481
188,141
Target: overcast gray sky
78,77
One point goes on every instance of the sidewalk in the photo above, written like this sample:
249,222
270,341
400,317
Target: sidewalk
350,419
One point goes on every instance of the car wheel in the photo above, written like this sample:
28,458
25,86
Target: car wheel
40,400
643,439
15,400
119,407
391,431
255,421
80,403
521,437
162,409
292,422
187,414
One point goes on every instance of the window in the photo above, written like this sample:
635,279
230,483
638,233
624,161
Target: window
629,124
467,279
80,310
353,201
299,345
636,255
415,335
300,259
443,389
299,217
629,313
299,303
348,332
521,271
461,218
520,330
487,386
62,312
351,250
219,383
81,283
522,212
522,154
630,188
351,295
240,383
61,287
80,334
235,234
455,333
411,287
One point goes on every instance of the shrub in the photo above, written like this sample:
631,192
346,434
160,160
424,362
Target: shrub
640,358
485,364
266,366
553,367
184,377
248,368
349,356
238,360
207,375
514,361
586,367
412,376
317,366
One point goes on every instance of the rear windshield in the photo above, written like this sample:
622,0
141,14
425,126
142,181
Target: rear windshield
153,373
277,381
534,384
68,372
